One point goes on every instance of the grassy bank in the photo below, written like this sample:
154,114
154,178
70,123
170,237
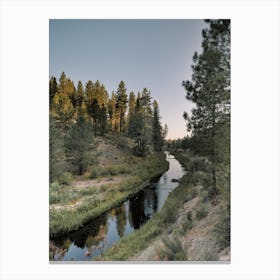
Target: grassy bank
174,229
73,207
141,238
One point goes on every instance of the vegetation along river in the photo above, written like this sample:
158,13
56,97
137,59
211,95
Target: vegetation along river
101,233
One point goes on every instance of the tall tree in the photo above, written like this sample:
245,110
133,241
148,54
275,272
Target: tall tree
146,102
56,151
157,129
92,104
131,113
209,89
143,123
79,144
53,88
97,101
63,107
121,105
79,96
112,111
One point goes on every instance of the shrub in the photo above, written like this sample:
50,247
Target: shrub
201,213
93,174
65,178
186,226
54,186
190,194
173,250
222,230
198,165
213,191
169,211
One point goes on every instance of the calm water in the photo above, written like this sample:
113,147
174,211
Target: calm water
101,233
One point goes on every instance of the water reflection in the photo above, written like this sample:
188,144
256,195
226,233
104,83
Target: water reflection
121,219
100,234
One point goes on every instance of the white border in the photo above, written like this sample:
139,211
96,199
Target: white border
24,138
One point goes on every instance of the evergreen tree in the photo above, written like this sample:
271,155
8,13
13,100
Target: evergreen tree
146,111
131,114
97,101
112,111
143,123
56,151
138,118
209,89
53,88
79,144
63,107
103,119
71,91
121,105
92,104
165,131
157,129
80,95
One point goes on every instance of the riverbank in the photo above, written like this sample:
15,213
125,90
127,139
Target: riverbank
74,205
193,224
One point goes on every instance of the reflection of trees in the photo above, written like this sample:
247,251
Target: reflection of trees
136,210
80,237
150,202
164,178
121,219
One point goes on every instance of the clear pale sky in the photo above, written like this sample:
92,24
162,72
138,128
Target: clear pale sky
156,54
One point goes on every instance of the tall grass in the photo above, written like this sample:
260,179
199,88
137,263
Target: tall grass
140,239
172,251
63,221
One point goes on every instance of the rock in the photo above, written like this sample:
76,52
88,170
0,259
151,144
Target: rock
87,253
174,180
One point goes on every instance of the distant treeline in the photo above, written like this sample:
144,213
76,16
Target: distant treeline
78,114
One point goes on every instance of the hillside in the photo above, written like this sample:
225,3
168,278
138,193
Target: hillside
116,174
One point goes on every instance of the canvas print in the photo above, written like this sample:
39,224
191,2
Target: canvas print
139,140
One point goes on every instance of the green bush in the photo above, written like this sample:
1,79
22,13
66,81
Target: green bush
186,226
54,186
190,194
222,230
65,178
93,174
169,211
173,250
201,213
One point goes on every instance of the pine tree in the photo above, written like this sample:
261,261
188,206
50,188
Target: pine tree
157,129
146,102
63,107
80,95
143,123
209,89
121,105
103,119
79,144
131,114
112,111
53,88
97,102
56,151
92,104
71,91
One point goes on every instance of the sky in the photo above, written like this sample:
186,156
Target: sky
156,54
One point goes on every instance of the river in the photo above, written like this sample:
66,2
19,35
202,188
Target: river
101,233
